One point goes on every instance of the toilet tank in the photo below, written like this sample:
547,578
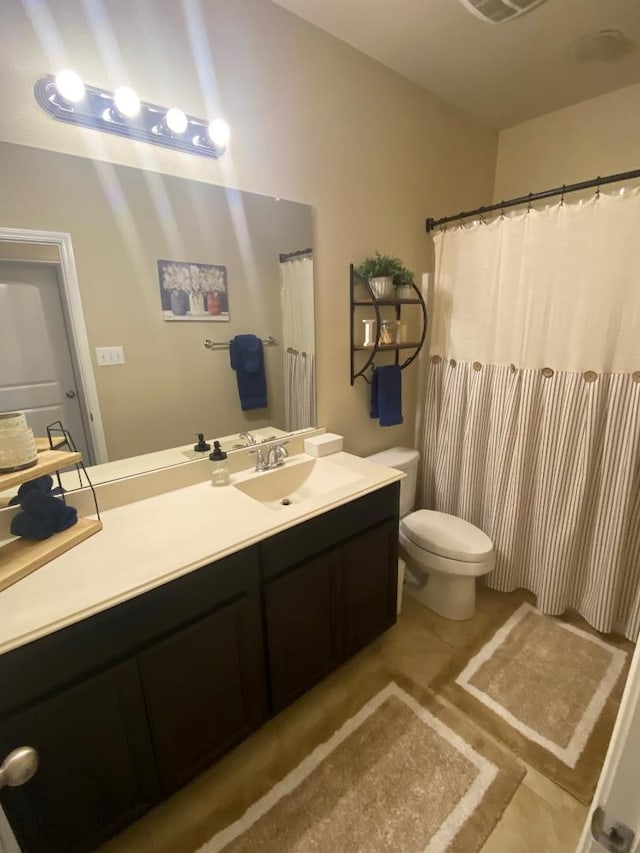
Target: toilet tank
404,459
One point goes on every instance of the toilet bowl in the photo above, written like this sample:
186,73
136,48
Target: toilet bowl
444,554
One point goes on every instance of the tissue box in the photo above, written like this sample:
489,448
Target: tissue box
323,445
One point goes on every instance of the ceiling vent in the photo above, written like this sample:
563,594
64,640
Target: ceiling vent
498,11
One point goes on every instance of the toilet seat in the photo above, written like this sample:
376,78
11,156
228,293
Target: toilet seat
447,536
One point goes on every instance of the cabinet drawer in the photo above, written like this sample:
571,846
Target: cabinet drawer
304,541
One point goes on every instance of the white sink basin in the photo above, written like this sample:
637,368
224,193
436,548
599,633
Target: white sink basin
296,482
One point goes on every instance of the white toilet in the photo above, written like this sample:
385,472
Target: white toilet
444,554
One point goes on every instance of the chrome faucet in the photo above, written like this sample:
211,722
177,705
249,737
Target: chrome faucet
249,440
275,456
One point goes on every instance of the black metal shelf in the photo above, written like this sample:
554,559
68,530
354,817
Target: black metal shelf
377,304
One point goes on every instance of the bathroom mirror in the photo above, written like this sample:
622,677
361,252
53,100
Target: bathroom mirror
156,317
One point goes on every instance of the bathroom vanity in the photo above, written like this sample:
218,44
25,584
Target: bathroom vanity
139,678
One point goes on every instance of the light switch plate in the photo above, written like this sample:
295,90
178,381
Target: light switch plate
109,355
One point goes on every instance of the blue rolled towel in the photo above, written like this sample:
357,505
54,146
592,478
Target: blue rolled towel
40,484
386,395
47,508
247,359
29,527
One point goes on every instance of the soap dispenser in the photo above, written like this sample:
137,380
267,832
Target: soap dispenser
202,446
219,467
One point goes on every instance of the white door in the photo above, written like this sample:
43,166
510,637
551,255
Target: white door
36,369
618,791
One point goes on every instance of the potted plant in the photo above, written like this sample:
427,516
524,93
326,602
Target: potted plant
379,270
402,282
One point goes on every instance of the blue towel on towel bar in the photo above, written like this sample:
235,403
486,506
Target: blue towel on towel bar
386,395
247,359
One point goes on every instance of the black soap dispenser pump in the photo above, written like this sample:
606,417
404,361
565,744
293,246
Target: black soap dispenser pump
202,446
219,468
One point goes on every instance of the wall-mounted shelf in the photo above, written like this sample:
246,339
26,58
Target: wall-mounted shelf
372,302
19,557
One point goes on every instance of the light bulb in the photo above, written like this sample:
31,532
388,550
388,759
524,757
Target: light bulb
70,85
218,132
126,102
176,120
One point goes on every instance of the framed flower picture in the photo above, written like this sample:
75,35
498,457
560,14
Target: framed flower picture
193,291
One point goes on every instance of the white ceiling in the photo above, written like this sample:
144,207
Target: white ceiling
501,73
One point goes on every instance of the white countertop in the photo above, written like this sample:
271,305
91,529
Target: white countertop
150,542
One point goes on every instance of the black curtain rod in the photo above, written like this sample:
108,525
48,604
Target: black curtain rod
297,254
527,199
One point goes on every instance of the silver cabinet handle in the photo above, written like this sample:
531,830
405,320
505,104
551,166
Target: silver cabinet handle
18,767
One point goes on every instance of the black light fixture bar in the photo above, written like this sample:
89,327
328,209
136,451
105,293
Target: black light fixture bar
97,110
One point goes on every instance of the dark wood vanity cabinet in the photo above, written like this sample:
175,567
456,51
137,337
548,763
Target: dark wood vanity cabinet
202,691
96,771
128,705
320,609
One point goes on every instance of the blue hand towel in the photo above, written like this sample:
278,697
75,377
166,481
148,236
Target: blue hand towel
247,359
48,509
386,395
29,527
40,484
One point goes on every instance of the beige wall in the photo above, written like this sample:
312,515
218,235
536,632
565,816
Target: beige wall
312,120
170,386
600,136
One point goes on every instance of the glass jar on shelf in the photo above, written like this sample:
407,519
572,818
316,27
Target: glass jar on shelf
387,331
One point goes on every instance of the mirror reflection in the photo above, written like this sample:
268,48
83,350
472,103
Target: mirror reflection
163,265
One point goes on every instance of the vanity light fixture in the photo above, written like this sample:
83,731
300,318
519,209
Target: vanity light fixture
67,98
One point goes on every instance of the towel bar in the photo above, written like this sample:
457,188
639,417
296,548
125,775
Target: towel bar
269,341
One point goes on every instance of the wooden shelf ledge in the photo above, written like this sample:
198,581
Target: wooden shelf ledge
20,557
48,461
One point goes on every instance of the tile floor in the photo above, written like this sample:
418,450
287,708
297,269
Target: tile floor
541,818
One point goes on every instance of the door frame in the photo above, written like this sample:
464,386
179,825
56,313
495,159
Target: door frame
76,331
613,792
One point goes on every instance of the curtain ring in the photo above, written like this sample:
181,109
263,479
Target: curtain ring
636,375
512,368
589,376
502,210
477,365
452,362
598,179
436,359
530,201
562,196
547,372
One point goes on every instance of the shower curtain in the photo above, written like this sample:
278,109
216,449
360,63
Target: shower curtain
531,419
296,296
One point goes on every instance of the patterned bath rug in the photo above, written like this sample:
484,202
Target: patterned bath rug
549,689
400,775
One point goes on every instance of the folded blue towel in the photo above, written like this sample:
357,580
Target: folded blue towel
40,484
247,359
29,527
386,395
49,511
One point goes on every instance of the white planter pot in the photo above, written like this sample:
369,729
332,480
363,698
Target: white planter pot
382,286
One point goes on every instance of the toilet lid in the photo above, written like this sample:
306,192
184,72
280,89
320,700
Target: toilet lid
447,536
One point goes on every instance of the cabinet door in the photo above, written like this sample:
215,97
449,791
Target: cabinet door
96,771
302,632
369,585
204,689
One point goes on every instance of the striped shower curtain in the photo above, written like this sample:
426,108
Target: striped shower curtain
298,335
531,419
